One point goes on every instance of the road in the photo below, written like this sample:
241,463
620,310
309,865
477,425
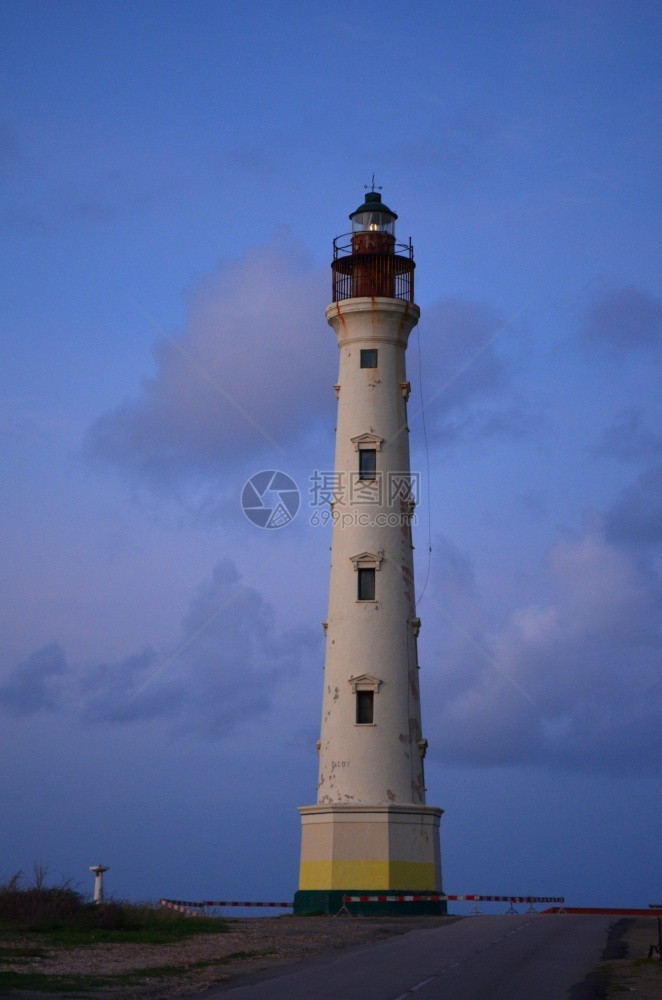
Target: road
512,957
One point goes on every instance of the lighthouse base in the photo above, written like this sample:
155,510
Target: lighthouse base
308,902
369,850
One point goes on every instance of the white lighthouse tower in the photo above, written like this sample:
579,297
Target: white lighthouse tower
371,830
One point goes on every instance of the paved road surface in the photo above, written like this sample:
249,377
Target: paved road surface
512,957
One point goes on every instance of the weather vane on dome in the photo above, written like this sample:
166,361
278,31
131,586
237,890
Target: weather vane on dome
379,187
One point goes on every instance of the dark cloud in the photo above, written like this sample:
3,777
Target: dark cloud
571,682
35,685
637,516
252,371
115,692
467,391
626,320
510,422
454,573
245,161
629,439
101,198
28,221
472,139
225,670
236,661
92,201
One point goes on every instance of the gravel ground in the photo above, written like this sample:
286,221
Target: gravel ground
252,945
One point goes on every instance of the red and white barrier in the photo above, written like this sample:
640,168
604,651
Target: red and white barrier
178,904
192,908
409,898
179,907
509,899
435,898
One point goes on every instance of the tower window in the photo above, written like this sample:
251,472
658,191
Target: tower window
365,707
366,584
369,359
367,463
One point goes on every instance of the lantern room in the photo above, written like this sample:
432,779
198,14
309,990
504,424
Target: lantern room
368,261
373,217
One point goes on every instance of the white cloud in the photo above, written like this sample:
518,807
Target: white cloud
251,375
251,372
572,681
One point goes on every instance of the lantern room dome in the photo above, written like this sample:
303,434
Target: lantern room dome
373,203
373,215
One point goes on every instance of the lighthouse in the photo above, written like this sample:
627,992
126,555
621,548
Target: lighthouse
371,831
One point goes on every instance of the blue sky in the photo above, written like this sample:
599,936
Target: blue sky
173,176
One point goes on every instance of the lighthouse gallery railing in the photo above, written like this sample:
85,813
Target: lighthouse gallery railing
372,274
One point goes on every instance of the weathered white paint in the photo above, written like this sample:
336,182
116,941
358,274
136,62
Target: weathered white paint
371,827
379,763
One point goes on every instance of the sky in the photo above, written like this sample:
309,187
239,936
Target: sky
173,175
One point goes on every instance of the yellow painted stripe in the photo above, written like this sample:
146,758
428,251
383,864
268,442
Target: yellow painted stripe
367,875
315,875
413,875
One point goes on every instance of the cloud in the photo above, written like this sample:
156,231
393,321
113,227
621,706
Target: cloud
245,161
626,320
224,671
466,388
637,516
35,685
108,199
119,692
628,439
44,203
26,221
569,682
251,375
472,141
251,372
249,378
